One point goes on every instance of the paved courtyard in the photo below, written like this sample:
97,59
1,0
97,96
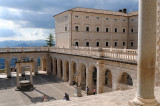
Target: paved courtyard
45,84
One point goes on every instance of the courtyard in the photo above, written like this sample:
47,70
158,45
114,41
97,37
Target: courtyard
46,84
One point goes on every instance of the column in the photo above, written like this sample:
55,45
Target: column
99,78
58,69
70,74
48,64
31,80
64,72
36,66
89,79
42,64
8,68
17,69
146,54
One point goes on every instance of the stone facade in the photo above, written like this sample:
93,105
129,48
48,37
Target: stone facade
96,28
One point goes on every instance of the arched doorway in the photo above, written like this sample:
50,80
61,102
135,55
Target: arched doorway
3,67
73,69
107,81
67,71
60,68
125,81
83,76
51,65
55,67
94,78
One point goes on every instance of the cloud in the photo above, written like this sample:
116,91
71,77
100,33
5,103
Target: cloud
5,32
32,19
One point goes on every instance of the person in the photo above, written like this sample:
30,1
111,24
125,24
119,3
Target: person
44,99
94,91
66,97
87,90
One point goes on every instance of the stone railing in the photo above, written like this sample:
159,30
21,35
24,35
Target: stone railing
106,53
23,49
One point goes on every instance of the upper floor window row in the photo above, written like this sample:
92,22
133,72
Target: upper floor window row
76,16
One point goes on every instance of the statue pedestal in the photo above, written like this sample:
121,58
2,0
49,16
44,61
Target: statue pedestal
78,91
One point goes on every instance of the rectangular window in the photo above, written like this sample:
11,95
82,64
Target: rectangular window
97,44
124,30
124,20
115,29
97,17
87,43
106,18
65,28
76,16
106,29
87,28
107,44
97,29
76,43
76,28
132,44
115,43
132,30
132,19
124,43
87,16
115,19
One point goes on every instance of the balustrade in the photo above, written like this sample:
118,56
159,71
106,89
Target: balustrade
111,53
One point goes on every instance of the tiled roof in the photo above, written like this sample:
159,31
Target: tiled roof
99,11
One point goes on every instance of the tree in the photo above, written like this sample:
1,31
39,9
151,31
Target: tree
50,40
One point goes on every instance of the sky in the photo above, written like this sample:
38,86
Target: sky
25,20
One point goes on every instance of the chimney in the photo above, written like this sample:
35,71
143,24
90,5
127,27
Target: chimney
120,10
125,10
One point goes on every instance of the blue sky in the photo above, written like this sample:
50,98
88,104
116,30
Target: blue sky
33,19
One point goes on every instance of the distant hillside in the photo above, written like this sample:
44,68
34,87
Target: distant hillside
11,43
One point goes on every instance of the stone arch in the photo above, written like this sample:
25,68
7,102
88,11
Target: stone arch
125,81
2,65
60,68
67,70
93,81
55,67
51,64
83,76
73,70
107,80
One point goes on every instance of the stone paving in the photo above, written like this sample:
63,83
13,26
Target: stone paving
45,84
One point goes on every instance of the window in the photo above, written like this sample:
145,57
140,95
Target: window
76,16
87,16
97,17
132,19
76,43
115,30
124,20
115,43
65,16
87,28
132,43
115,19
124,43
106,18
97,29
107,44
106,29
97,44
132,30
65,28
87,43
76,28
124,30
